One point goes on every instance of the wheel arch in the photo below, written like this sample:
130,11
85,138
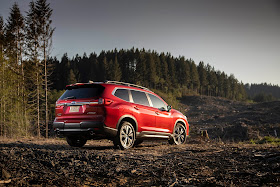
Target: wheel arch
128,118
182,122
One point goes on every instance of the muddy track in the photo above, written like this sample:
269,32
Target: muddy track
52,162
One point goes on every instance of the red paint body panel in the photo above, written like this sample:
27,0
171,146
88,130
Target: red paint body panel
147,118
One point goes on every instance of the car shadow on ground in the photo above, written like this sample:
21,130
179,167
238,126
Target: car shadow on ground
98,147
58,147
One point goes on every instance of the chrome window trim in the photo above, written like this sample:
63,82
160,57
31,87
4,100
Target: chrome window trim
129,94
159,99
146,97
131,98
149,100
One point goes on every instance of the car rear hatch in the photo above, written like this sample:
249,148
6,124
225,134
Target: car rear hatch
80,102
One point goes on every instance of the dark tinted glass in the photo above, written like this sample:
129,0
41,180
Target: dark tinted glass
139,97
122,93
82,92
157,102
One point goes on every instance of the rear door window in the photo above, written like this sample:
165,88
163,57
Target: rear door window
157,102
140,97
82,92
122,94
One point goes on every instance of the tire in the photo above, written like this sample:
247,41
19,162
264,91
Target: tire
75,141
137,142
179,135
126,136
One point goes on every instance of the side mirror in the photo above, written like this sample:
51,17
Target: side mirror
169,108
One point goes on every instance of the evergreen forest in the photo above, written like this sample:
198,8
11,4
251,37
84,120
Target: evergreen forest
31,80
160,72
262,92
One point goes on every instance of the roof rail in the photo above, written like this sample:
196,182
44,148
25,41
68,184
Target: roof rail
127,84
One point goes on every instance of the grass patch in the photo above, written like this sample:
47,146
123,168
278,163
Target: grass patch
266,140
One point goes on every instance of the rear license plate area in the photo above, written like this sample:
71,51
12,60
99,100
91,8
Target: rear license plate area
74,109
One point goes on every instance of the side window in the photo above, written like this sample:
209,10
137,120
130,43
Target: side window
122,93
140,98
158,103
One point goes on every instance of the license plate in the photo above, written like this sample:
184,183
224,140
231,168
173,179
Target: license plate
74,108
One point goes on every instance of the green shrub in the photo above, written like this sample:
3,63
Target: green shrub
266,140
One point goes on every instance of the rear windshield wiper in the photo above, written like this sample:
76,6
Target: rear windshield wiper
70,97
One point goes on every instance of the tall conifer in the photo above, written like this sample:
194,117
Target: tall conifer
44,13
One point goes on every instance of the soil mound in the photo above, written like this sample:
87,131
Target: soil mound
232,120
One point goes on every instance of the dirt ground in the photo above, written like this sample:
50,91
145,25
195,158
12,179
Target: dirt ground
229,120
53,162
199,162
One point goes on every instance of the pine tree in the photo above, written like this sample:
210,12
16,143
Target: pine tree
233,87
141,70
115,71
213,81
14,35
202,77
2,70
195,83
93,66
33,33
44,13
171,71
71,77
63,71
164,72
109,72
226,88
104,69
151,72
14,41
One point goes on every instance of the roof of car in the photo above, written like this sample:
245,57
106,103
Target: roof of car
111,82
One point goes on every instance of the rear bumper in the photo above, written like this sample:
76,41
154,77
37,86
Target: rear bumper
82,128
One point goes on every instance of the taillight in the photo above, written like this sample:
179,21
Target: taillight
59,105
108,101
105,101
101,101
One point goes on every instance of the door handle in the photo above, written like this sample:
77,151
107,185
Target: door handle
157,113
136,108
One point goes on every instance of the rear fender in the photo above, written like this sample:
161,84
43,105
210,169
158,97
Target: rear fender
129,117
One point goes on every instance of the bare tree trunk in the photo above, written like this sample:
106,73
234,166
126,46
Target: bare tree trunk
23,108
38,102
17,80
38,93
4,116
2,99
46,92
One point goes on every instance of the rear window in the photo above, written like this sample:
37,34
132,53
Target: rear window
139,97
81,92
122,93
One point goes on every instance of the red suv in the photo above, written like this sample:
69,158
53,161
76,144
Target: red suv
123,112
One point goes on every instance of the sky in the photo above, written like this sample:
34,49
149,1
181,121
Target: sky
240,37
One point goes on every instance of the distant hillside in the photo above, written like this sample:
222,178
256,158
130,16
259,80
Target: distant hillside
163,72
231,120
263,92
